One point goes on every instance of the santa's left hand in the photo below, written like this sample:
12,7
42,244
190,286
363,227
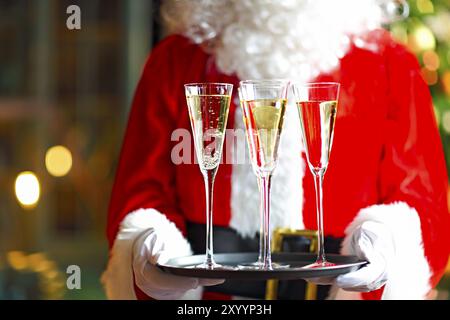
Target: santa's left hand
371,241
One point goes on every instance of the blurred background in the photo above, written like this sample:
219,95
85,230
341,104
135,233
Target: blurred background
64,101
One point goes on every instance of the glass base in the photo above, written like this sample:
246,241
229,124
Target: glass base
251,265
213,266
320,264
258,265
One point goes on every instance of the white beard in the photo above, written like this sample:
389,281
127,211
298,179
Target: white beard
294,39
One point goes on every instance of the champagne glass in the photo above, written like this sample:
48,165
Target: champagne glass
317,107
264,103
208,105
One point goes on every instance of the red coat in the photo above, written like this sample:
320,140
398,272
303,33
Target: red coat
386,146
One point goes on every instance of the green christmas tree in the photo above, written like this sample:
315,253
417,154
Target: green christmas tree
427,33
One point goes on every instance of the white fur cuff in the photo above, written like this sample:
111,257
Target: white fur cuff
118,277
409,273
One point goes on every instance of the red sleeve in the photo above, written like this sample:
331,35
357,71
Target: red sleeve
145,175
413,167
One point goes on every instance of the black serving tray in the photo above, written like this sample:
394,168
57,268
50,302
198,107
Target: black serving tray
185,266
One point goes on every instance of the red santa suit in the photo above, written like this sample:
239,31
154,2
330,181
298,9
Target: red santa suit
386,163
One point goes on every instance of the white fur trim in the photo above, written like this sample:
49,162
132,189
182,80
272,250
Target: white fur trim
118,277
287,190
409,274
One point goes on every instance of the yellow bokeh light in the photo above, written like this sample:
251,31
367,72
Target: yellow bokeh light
37,262
425,6
58,161
27,189
423,39
17,260
51,274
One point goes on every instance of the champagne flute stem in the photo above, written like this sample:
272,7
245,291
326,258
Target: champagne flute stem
265,206
318,182
209,177
261,238
261,228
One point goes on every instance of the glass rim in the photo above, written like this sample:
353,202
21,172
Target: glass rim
325,84
265,81
198,84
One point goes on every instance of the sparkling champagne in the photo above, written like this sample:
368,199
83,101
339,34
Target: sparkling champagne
317,122
208,114
263,120
208,105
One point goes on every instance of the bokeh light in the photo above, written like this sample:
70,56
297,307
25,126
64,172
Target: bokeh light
425,6
17,260
446,82
58,161
431,60
27,189
37,262
423,39
430,76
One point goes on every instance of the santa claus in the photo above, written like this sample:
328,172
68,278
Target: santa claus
386,185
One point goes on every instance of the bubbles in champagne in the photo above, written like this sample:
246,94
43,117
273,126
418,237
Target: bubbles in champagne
208,115
211,152
210,162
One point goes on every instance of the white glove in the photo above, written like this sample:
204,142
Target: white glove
371,241
148,250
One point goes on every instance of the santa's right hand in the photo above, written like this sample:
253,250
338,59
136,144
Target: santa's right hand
148,250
